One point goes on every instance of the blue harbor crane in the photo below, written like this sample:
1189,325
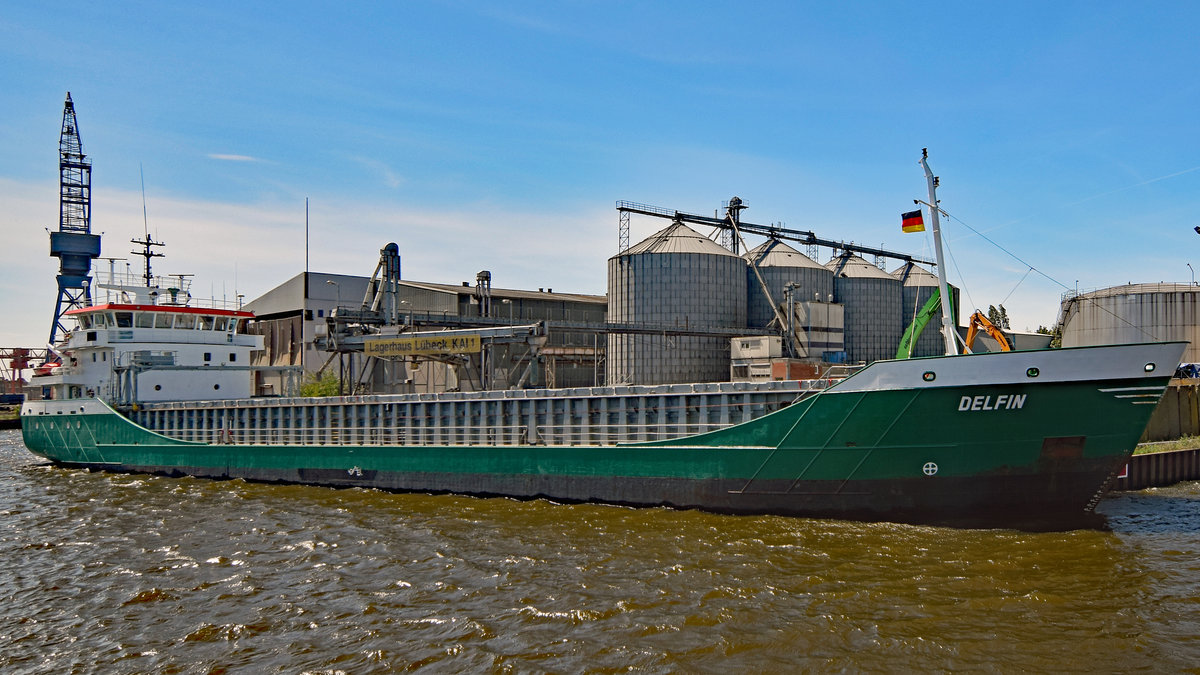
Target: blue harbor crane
73,244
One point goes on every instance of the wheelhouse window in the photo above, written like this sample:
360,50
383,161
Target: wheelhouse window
222,323
124,319
186,321
144,319
85,322
163,319
207,322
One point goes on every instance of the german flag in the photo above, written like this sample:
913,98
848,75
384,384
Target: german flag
912,221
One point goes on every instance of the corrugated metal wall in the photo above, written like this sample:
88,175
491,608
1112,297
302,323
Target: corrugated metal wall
1177,414
1134,313
874,305
673,289
583,416
777,272
1160,469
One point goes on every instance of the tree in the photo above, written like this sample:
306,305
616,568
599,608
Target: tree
1055,333
998,317
326,385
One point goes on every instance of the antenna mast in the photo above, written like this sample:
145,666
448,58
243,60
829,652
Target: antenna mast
73,244
148,254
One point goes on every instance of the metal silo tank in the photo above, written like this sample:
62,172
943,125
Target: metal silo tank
1134,313
874,304
677,278
781,265
918,285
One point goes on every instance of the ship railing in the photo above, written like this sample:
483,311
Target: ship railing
168,290
459,435
1131,289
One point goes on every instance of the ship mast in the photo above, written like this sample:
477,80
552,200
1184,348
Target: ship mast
943,287
147,253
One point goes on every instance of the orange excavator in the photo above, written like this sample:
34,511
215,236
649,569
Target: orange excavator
979,322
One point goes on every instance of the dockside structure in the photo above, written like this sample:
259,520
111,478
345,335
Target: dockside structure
688,293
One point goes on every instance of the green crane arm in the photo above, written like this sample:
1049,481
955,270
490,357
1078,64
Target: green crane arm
914,329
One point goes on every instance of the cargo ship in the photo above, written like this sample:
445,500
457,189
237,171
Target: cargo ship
151,382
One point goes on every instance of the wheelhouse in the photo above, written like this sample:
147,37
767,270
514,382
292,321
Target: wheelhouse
160,317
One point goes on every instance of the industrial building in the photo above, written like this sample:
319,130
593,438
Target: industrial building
1133,313
681,307
294,319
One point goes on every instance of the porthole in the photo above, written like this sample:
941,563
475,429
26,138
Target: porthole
1149,368
929,376
158,387
1032,372
216,386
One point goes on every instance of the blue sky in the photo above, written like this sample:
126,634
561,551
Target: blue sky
499,135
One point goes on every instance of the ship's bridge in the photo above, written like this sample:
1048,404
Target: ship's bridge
165,317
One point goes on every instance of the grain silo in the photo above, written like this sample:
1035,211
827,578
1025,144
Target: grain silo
918,285
1134,313
780,265
675,278
873,304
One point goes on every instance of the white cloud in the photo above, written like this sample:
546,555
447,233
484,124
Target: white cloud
233,158
251,248
27,286
389,176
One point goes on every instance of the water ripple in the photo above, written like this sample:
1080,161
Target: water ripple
133,574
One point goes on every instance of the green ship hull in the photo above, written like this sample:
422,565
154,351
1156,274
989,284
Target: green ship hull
1021,439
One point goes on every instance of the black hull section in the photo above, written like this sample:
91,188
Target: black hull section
1017,501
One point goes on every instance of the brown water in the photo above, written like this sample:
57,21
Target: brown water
137,574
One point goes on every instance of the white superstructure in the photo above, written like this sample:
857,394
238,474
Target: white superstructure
149,341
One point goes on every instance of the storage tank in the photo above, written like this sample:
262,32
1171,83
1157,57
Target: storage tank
781,265
918,285
1134,313
874,305
676,277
